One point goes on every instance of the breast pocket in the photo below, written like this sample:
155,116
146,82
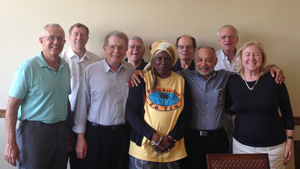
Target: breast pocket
220,96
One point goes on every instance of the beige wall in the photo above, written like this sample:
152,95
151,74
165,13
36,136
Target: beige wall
275,23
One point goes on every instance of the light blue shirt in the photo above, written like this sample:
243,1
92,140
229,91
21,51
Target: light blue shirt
208,99
102,95
44,91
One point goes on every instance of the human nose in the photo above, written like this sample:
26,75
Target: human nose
252,57
203,63
135,48
56,40
116,50
227,38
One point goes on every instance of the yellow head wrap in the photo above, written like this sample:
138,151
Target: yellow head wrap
158,47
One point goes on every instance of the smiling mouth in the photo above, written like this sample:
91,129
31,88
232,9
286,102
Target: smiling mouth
55,47
116,56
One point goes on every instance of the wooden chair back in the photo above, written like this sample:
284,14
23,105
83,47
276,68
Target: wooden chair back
237,161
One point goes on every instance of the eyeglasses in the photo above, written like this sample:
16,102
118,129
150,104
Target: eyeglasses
182,47
224,37
135,46
114,47
52,38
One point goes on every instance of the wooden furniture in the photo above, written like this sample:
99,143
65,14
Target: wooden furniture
297,154
237,161
2,113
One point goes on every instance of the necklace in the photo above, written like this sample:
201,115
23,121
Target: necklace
251,88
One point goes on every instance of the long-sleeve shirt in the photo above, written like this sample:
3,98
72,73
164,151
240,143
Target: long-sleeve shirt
258,123
102,95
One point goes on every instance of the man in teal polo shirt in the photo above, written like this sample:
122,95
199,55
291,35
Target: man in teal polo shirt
38,98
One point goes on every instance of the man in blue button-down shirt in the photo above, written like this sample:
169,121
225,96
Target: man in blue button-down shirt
103,135
205,134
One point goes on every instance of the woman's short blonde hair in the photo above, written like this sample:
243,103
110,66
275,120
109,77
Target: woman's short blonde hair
238,66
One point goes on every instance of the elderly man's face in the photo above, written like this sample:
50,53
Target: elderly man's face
228,39
53,41
205,62
78,38
115,50
136,50
185,48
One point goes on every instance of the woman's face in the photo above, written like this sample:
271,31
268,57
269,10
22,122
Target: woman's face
252,58
162,64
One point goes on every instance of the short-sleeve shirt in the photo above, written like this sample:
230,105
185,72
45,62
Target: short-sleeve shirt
43,90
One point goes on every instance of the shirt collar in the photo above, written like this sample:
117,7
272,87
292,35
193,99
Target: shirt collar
178,67
42,62
71,54
107,67
212,76
224,56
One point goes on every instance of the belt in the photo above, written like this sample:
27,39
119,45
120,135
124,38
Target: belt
206,133
111,128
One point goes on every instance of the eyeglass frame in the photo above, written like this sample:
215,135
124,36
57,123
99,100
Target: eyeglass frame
225,36
52,38
114,47
181,47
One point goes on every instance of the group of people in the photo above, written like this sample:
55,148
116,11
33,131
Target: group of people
101,114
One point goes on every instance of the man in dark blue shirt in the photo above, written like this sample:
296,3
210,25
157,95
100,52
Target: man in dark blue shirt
186,48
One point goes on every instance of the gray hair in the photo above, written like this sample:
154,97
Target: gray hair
136,38
228,26
51,25
118,34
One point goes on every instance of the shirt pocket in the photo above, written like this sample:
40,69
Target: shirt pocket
220,96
